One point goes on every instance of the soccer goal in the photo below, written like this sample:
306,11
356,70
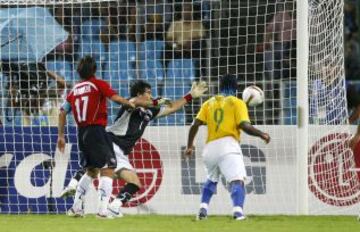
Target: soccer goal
291,49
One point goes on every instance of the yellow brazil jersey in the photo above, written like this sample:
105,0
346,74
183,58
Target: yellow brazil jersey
223,116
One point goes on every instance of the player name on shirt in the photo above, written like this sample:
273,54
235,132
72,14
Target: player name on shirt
82,90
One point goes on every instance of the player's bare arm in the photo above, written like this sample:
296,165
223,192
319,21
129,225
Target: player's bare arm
120,100
355,115
197,90
192,134
61,129
251,130
146,103
59,79
355,139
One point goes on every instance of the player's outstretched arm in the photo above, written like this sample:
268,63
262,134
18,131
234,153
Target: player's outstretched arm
120,100
355,115
355,139
61,131
59,79
198,89
192,134
251,130
150,103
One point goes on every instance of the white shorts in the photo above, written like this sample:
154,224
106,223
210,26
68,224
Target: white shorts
121,159
224,157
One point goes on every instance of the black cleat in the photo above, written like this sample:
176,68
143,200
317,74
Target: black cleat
202,214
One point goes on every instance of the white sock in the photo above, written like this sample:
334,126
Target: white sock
73,183
104,191
81,190
204,205
238,209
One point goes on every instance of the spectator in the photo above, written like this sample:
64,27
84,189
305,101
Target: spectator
121,23
56,87
66,48
353,100
29,93
350,25
352,58
131,22
154,27
185,39
280,39
327,103
159,7
185,36
3,80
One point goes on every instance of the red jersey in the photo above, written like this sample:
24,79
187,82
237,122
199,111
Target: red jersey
88,102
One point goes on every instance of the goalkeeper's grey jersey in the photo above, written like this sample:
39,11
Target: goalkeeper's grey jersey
130,125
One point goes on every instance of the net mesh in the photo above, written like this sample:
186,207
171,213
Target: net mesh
332,170
170,44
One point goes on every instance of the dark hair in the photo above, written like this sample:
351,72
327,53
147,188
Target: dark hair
352,96
138,87
86,67
228,82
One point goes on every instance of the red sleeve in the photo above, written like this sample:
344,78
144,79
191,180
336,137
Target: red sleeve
105,88
68,97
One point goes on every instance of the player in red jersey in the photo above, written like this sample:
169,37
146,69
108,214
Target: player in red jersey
87,101
354,144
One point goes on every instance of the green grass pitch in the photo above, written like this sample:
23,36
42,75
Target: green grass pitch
149,223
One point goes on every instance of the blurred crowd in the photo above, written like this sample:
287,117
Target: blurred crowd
161,41
170,43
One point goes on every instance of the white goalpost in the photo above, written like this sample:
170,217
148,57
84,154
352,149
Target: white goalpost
303,109
292,49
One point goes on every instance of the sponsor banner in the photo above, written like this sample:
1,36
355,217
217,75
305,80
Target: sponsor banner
333,171
33,173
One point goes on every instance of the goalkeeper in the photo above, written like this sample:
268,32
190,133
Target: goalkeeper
128,127
224,116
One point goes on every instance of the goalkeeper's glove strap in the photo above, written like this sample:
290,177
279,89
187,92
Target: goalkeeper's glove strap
155,102
188,97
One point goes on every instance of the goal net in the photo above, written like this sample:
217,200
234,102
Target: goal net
332,173
170,44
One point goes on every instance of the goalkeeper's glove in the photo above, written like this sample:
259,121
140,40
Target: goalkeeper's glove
161,101
197,90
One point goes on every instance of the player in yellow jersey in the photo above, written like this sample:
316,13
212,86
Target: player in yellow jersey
225,115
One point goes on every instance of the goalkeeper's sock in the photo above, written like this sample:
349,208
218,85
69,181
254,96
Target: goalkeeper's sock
73,183
81,190
104,191
209,189
124,196
127,192
75,180
79,174
237,193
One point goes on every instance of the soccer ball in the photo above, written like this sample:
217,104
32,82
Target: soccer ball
253,95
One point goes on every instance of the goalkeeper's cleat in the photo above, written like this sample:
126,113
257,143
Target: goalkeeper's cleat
104,216
68,192
239,216
114,208
202,215
75,212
